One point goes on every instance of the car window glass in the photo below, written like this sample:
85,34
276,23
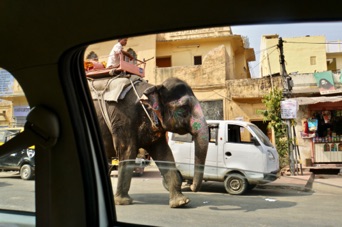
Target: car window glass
239,66
229,73
17,184
213,134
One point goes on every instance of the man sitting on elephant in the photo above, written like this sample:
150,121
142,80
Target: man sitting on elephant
114,56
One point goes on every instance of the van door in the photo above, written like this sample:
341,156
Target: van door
240,152
211,167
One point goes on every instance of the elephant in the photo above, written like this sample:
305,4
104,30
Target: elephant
171,106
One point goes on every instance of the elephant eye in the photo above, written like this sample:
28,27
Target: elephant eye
181,112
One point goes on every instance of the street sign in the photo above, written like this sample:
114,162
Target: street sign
288,109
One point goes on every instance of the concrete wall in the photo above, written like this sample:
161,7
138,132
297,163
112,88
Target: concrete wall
252,88
212,72
244,97
305,84
182,53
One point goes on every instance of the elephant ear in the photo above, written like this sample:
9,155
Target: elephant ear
151,98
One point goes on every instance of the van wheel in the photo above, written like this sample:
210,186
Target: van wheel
166,186
26,172
236,184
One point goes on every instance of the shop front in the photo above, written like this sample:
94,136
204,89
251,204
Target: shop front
322,129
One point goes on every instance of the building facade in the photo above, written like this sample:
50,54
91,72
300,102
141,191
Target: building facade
13,104
315,68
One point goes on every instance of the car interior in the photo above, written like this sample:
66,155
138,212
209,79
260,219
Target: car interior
43,46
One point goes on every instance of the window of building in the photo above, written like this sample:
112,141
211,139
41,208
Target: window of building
163,62
212,110
197,60
313,60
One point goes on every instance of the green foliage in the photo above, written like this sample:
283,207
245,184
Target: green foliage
273,115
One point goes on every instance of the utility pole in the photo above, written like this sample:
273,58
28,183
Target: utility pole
287,88
287,80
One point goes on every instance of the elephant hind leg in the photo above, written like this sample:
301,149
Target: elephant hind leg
125,173
121,196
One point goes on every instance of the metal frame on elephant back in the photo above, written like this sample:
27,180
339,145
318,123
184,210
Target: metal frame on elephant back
95,69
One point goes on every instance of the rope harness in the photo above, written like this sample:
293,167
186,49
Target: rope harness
102,102
142,105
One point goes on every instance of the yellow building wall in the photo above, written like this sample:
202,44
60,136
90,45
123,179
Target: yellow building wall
246,111
298,52
182,52
6,113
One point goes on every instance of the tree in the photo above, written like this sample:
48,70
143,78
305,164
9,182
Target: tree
273,115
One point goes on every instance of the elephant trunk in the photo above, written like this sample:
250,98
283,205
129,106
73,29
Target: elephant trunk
200,132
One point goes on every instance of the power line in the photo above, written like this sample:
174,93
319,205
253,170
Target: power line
257,52
339,43
257,64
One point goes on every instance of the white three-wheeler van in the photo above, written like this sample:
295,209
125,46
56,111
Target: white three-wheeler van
239,154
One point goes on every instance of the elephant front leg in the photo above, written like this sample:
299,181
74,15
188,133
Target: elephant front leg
174,183
125,173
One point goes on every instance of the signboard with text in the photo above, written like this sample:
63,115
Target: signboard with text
289,109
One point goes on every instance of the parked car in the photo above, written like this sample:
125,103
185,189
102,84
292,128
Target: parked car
239,154
22,161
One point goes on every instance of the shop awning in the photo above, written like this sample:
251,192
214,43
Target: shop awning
314,100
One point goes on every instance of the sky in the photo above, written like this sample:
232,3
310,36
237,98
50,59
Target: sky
332,32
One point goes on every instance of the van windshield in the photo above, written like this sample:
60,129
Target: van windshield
264,139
